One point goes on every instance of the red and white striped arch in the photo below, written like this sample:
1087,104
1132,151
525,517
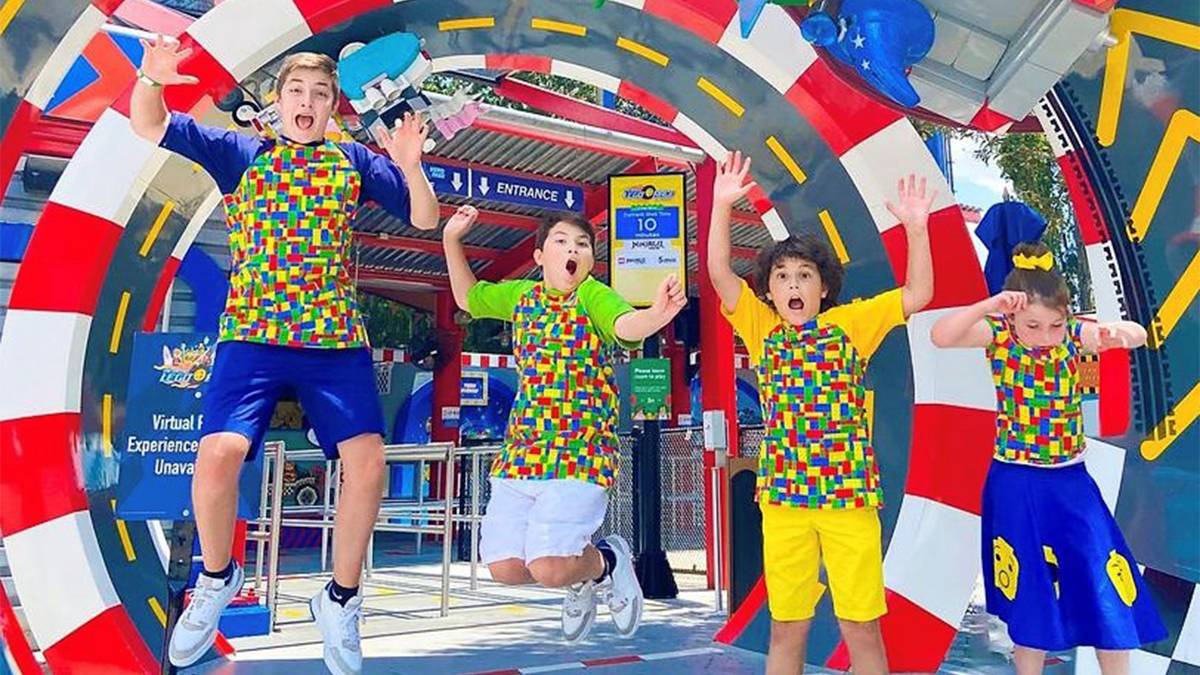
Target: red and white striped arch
52,548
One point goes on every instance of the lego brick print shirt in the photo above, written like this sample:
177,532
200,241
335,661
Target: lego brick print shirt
816,450
289,209
564,418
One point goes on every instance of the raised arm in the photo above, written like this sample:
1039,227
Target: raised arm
967,327
1098,337
730,185
462,279
160,68
912,208
641,324
405,145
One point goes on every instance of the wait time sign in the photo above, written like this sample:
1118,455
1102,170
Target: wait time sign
647,228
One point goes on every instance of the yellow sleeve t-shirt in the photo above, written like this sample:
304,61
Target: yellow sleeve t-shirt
816,450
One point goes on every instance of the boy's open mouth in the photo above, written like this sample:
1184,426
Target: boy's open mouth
796,304
305,122
571,267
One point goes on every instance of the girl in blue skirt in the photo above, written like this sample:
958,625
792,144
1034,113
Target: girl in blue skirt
1055,565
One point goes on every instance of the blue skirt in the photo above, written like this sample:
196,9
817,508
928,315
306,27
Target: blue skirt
1056,568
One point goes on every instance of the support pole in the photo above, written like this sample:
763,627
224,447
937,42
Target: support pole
653,569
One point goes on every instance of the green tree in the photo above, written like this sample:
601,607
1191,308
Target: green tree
1027,161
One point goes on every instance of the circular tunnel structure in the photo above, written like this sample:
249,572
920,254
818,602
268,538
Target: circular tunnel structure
825,157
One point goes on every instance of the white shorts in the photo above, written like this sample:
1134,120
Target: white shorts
531,519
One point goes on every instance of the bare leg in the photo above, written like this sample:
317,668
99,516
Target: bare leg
1028,661
788,647
1113,662
865,643
358,505
561,571
215,492
511,572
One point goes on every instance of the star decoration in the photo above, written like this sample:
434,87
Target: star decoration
866,65
859,41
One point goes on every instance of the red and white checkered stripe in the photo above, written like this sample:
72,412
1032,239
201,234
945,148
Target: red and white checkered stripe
51,313
399,355
472,360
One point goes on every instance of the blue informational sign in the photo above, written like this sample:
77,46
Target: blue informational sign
647,222
526,191
448,180
161,435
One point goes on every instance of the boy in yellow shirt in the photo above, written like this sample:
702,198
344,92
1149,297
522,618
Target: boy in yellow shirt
818,484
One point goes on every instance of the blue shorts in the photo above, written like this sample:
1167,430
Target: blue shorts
336,388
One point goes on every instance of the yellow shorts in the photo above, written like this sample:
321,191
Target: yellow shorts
794,541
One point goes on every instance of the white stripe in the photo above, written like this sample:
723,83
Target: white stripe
933,559
636,4
41,362
700,137
575,71
1051,127
64,55
683,653
775,49
243,35
1106,463
199,218
1187,649
159,537
775,225
577,665
971,385
877,164
110,170
1140,662
460,62
60,576
1105,284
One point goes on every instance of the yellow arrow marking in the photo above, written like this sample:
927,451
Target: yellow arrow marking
652,55
157,609
466,24
1172,426
785,158
721,97
106,424
114,341
126,542
559,27
1177,301
156,228
835,238
1184,125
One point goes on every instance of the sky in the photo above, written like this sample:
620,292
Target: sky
976,183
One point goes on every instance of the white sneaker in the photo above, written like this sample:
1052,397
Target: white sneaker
196,629
579,611
621,590
339,630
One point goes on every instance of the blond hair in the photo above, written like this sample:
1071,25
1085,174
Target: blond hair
307,61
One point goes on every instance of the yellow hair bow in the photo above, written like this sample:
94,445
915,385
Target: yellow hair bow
1034,262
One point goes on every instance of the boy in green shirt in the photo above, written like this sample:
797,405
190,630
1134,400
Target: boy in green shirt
549,482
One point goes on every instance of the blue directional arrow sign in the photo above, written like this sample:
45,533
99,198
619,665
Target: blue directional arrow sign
526,191
448,180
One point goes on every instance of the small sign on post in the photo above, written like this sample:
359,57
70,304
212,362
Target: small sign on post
647,232
650,389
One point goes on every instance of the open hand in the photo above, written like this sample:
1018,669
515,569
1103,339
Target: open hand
160,62
406,142
912,205
731,182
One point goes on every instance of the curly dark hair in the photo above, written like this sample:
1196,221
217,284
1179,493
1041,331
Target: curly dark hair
1045,287
548,221
801,247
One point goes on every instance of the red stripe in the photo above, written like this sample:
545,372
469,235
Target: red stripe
529,62
215,81
321,14
66,262
159,295
915,640
755,602
839,113
20,128
107,6
987,119
41,480
707,19
759,200
661,109
222,644
950,454
1087,209
957,278
14,639
116,76
1115,392
612,661
123,649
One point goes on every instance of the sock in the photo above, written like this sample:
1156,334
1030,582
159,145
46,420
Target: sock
610,560
224,575
340,594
